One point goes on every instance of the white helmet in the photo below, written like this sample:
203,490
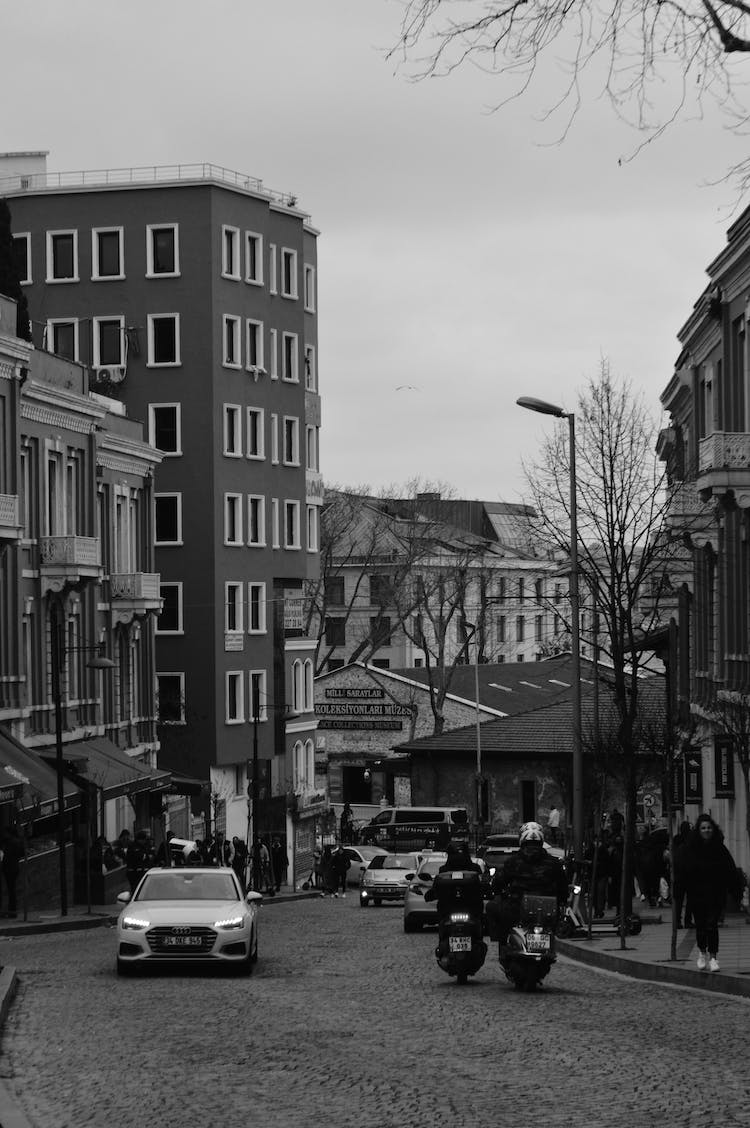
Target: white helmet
530,832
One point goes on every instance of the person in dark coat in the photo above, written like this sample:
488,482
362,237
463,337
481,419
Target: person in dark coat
11,865
340,864
137,859
709,874
531,870
279,862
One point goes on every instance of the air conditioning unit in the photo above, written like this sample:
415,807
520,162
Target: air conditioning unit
112,373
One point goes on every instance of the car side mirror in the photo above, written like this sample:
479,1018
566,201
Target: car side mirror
123,898
253,898
425,877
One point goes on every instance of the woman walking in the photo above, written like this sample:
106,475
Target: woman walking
708,874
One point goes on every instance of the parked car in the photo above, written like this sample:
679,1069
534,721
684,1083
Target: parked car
417,911
188,915
387,877
360,857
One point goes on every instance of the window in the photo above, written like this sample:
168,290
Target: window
162,251
309,288
254,345
258,696
62,256
501,590
107,255
275,531
539,591
256,520
233,607
255,436
170,616
232,341
312,528
288,273
235,704
520,629
109,337
297,690
233,519
334,591
274,438
62,338
291,524
22,257
230,253
381,590
558,593
272,267
311,380
338,664
380,630
291,441
171,698
501,628
521,590
382,663
335,631
289,370
256,608
165,427
254,258
538,627
168,518
163,339
232,430
311,443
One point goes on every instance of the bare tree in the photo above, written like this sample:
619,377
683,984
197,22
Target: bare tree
637,51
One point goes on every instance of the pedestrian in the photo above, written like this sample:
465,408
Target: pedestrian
316,874
239,860
340,863
553,826
680,904
260,866
136,859
326,874
11,865
279,862
709,875
221,852
346,825
163,853
121,846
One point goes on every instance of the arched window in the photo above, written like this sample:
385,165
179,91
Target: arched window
310,764
297,688
308,686
298,760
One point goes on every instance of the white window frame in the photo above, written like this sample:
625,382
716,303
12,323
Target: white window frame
176,494
96,322
262,678
292,507
230,237
229,321
235,501
311,372
180,622
254,329
150,229
173,674
151,318
50,329
308,699
309,284
51,259
311,447
27,281
293,376
291,440
273,345
152,408
297,685
258,414
274,438
313,536
275,531
256,239
289,255
272,268
232,426
256,503
96,274
256,596
235,586
237,679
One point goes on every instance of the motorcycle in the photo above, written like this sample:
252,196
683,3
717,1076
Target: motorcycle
529,952
461,949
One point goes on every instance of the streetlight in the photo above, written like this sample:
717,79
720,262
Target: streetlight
59,651
545,408
474,627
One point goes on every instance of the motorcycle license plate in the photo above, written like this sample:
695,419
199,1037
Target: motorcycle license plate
537,943
459,943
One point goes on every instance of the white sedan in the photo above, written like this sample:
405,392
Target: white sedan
387,877
360,858
188,915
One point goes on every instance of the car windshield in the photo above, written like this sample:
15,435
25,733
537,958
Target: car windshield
434,864
184,885
394,861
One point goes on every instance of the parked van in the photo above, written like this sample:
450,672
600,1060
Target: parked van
414,828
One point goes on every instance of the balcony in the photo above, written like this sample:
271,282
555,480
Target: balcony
10,528
724,464
134,594
68,562
689,516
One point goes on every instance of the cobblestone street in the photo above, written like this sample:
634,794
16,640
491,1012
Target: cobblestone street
347,1021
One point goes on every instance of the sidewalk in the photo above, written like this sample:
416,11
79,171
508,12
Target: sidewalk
647,956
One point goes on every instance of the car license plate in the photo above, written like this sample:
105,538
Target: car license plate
182,941
459,943
537,943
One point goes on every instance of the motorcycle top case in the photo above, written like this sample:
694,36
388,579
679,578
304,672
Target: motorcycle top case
458,882
539,910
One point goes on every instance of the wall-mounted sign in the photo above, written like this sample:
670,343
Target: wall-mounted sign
379,710
374,724
676,783
693,775
724,766
356,693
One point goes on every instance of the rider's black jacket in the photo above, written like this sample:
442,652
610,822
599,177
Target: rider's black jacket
539,875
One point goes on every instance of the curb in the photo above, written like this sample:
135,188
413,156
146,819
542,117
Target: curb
662,972
10,1114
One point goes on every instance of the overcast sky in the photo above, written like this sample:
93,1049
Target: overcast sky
463,259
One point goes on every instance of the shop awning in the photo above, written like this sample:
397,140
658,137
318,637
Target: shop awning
10,787
187,785
38,780
105,766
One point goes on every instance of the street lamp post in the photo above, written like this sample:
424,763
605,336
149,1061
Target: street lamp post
545,408
474,627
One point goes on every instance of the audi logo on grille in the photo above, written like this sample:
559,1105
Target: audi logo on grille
183,931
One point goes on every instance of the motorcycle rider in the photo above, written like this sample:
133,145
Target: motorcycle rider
454,897
532,870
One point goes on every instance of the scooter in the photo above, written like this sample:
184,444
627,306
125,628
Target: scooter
461,950
529,952
573,925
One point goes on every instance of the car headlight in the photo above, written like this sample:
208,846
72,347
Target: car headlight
231,922
135,922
